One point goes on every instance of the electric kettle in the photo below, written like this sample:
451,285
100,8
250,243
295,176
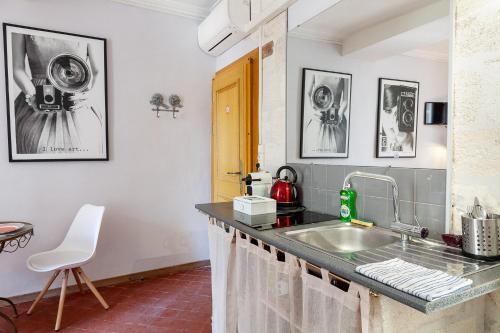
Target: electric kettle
284,190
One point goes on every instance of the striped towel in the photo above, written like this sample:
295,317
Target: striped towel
416,280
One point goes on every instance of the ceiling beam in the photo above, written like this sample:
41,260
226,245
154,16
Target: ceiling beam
424,26
322,37
428,55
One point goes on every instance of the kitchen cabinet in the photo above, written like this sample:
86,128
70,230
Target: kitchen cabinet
267,290
260,283
389,316
258,288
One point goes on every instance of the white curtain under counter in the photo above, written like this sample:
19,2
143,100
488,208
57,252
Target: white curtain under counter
223,273
258,288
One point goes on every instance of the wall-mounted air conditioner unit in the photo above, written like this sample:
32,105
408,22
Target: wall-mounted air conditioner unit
224,26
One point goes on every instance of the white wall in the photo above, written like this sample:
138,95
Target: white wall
433,78
159,168
245,46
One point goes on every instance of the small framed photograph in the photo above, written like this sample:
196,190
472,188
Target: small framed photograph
397,118
326,108
56,95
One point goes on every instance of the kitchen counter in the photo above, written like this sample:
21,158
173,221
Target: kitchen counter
484,282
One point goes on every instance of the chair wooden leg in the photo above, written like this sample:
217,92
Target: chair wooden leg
61,300
92,288
77,279
43,292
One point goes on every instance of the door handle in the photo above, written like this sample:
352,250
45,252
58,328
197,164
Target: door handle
241,180
233,173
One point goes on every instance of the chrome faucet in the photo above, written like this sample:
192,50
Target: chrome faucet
389,179
404,229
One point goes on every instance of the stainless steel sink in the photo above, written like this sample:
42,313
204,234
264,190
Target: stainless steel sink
359,245
342,238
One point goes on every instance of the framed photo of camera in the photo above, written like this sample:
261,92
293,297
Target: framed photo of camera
397,118
56,95
326,109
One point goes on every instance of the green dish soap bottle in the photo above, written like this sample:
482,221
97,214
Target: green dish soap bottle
347,204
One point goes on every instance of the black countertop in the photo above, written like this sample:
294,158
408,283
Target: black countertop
483,282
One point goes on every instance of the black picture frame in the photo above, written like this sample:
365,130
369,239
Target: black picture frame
104,131
304,100
407,87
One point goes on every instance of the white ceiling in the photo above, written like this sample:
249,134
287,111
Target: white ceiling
202,3
333,25
347,17
197,9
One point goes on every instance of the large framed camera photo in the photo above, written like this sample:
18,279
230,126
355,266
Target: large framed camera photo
397,118
326,109
56,95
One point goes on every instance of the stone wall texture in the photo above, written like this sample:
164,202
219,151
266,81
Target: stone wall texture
273,113
475,124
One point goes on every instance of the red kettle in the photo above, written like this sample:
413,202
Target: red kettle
284,190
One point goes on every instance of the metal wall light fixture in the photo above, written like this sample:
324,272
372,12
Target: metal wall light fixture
159,105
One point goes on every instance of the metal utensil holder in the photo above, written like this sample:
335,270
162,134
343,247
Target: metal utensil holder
481,237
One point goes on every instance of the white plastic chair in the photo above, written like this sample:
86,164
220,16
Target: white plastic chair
77,249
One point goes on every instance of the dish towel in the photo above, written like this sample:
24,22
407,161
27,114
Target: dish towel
416,280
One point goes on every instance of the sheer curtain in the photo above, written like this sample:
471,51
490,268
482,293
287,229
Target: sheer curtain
251,271
223,273
263,287
277,294
326,307
257,288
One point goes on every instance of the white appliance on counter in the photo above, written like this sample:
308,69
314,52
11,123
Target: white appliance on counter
254,205
259,183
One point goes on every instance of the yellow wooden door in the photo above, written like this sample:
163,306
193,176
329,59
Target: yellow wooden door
233,99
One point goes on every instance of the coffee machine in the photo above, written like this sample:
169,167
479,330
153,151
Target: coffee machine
258,183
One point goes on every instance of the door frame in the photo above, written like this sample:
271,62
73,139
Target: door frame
249,116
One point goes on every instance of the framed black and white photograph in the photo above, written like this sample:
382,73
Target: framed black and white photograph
56,95
397,118
326,108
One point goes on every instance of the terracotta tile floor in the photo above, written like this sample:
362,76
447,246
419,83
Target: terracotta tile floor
180,302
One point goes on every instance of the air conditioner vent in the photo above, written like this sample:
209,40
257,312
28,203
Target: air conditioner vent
223,39
223,27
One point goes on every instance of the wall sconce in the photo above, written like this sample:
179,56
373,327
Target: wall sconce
157,101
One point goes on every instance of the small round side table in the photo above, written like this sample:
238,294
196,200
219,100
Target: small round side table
11,242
